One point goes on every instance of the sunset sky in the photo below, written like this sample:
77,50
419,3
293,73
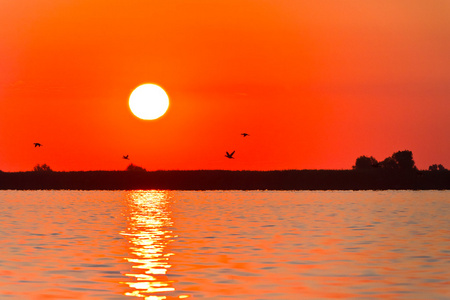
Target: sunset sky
315,83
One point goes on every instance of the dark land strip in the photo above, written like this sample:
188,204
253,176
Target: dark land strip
228,180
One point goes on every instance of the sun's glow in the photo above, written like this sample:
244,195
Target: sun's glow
148,101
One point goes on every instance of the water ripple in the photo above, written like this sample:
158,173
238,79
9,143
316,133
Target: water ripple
224,244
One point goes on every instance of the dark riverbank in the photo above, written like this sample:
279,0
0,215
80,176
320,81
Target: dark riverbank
229,180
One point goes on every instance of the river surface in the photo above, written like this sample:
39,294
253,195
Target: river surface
224,245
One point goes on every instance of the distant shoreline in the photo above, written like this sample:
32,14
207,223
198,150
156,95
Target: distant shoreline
228,180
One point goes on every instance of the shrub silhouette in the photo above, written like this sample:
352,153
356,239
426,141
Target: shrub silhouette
134,168
389,163
364,162
42,168
436,167
404,160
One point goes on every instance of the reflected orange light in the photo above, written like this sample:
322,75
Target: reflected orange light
149,234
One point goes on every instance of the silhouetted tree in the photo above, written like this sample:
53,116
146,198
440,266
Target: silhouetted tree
436,167
134,168
389,163
441,168
404,160
364,162
42,168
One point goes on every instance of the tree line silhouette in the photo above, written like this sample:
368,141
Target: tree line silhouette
226,180
395,172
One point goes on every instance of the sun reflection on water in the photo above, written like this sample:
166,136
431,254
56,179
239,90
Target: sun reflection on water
149,234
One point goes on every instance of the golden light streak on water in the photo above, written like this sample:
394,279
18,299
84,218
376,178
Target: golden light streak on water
149,233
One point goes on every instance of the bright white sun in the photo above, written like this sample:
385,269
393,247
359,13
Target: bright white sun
148,101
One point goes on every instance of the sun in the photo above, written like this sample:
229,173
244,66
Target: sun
148,102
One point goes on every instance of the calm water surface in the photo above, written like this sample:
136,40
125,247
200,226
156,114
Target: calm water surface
218,245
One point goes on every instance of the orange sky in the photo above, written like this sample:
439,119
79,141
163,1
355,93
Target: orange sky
315,83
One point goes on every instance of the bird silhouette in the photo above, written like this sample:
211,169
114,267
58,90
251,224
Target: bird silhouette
244,134
37,145
125,157
229,155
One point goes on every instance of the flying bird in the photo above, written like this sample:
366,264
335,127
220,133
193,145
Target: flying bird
37,145
229,155
244,134
125,157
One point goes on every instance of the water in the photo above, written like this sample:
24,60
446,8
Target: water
218,245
